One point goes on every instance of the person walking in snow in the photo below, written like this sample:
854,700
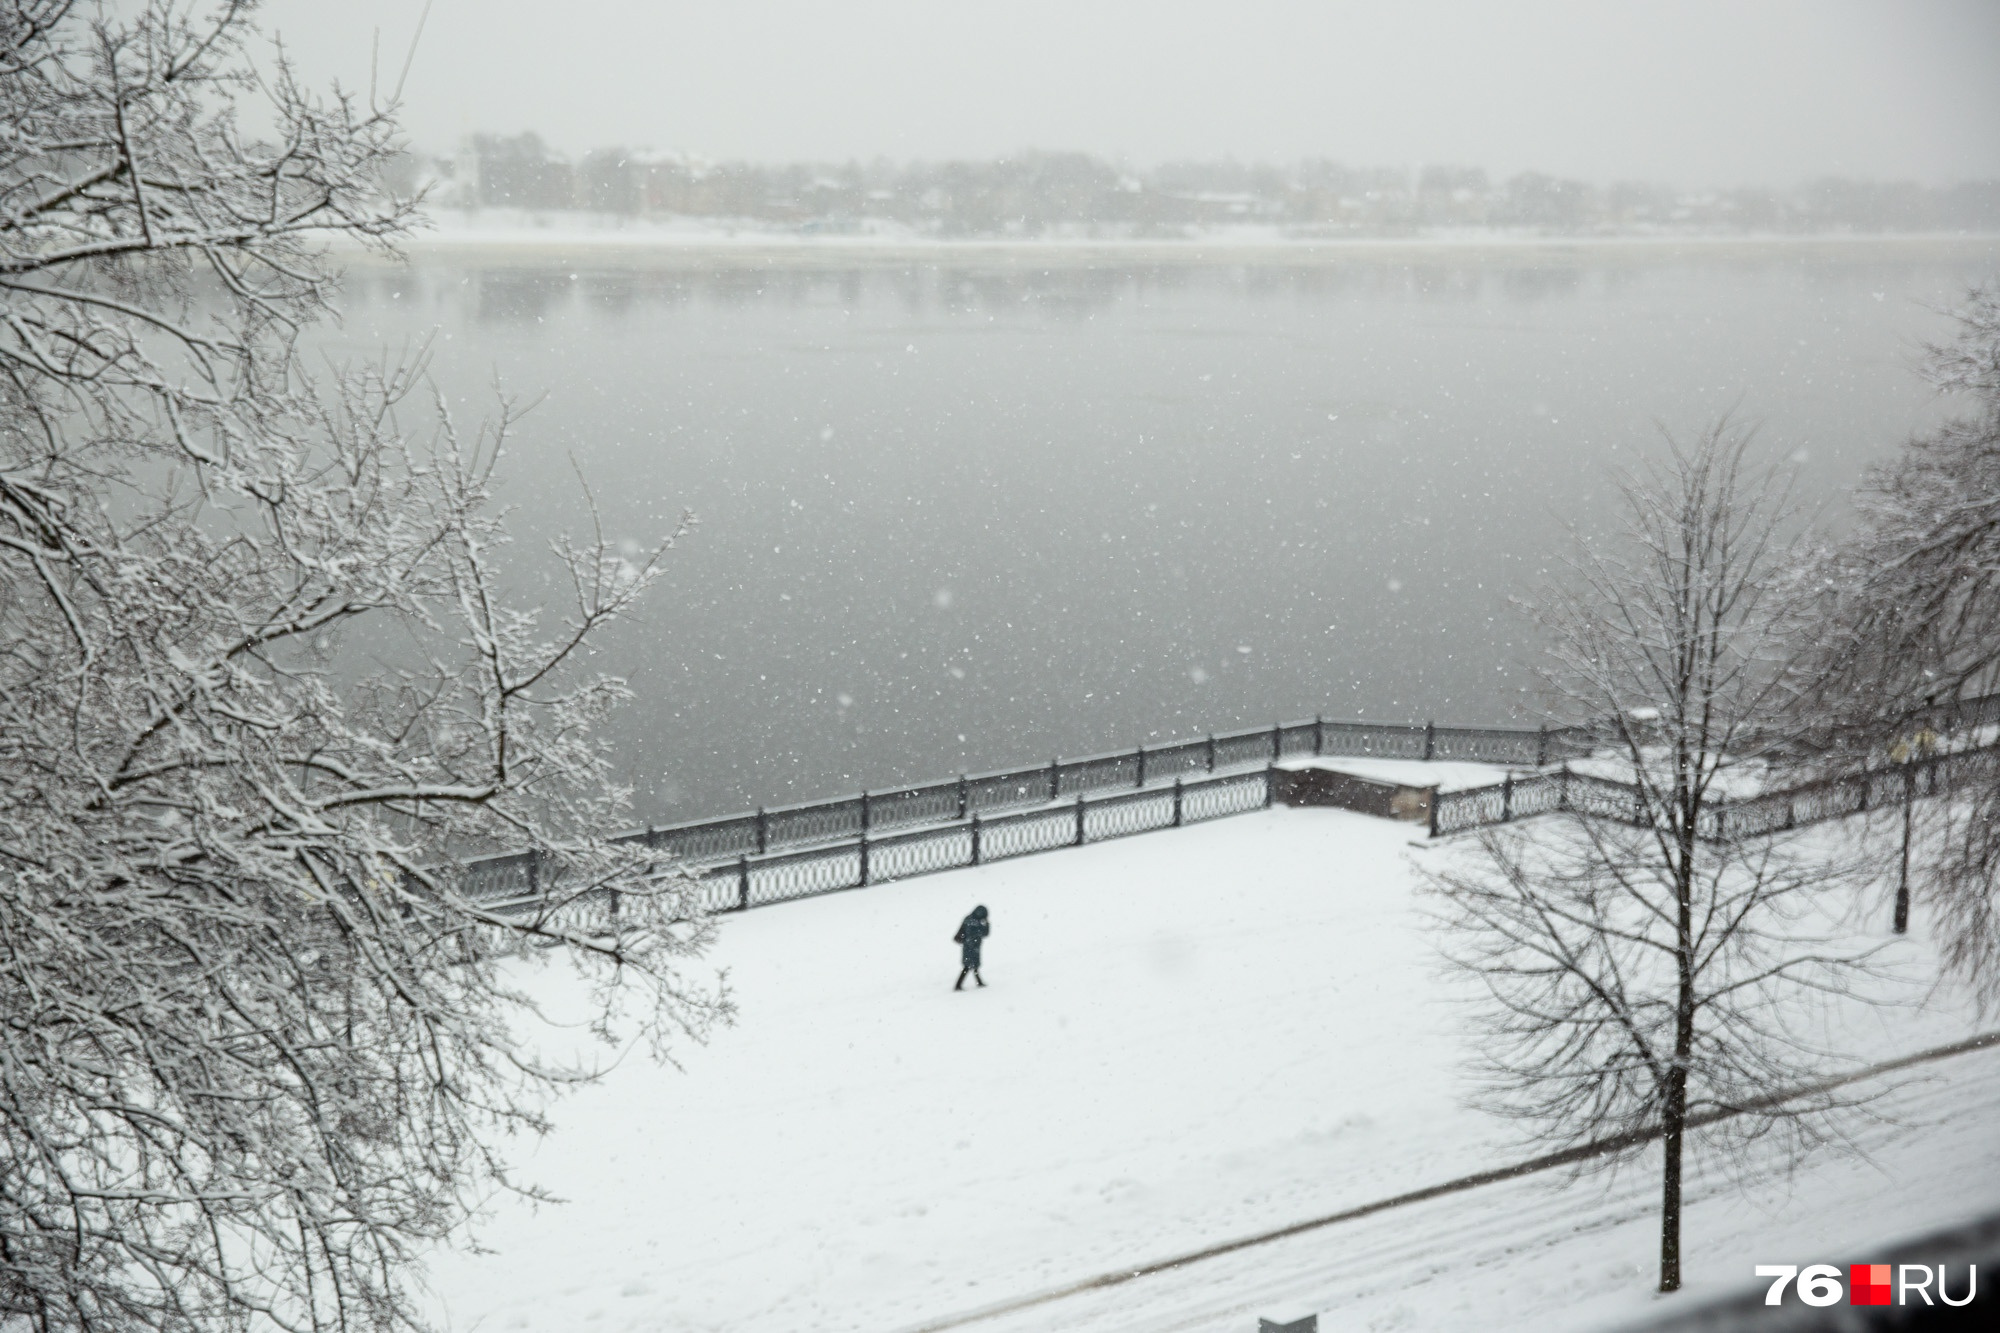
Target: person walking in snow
971,932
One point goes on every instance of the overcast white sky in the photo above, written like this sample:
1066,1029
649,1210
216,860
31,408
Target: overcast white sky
1692,92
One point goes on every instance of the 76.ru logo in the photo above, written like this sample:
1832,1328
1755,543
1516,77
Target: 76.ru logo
1867,1284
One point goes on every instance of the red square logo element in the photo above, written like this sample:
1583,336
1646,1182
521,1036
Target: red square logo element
1868,1284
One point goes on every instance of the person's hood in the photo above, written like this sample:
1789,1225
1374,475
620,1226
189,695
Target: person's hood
979,912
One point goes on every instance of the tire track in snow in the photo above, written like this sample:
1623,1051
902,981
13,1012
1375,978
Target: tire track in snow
1460,1185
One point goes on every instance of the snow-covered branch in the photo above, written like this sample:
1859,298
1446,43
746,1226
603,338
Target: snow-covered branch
259,693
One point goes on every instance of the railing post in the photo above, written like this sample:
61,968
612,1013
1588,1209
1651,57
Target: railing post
742,883
864,814
1507,798
864,858
1142,768
1055,767
1079,819
1430,740
1177,802
1277,741
1319,735
1562,787
964,796
763,831
975,840
534,874
1270,784
1541,744
1432,810
1211,752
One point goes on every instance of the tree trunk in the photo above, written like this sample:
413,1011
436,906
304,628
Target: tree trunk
1673,1115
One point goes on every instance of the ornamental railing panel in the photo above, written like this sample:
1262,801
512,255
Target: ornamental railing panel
1221,797
1019,835
1081,777
910,854
1118,816
933,803
1371,740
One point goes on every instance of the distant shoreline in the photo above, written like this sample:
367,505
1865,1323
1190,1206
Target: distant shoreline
643,245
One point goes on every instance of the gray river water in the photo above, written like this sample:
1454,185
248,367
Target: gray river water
959,514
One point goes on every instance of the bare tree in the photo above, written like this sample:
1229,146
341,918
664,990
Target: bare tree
257,1041
1914,595
1646,979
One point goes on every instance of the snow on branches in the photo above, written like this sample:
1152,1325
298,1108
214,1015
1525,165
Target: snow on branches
259,688
1644,982
1915,595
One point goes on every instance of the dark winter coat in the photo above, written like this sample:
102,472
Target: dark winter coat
971,931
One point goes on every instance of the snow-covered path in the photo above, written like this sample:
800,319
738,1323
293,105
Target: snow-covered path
1550,1253
1191,1036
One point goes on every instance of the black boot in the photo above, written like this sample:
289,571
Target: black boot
976,977
961,979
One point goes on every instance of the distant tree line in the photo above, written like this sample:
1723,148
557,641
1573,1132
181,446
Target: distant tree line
1036,193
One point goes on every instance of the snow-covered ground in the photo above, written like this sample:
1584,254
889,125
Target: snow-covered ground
1553,1255
1190,1036
1446,776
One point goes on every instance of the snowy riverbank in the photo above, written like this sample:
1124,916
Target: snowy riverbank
1190,1037
521,234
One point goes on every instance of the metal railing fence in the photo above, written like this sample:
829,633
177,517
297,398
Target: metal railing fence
795,851
762,832
1813,802
758,879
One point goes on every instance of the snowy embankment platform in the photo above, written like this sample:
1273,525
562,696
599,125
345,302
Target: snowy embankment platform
1189,1037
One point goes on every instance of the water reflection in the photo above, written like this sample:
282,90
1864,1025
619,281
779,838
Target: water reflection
517,292
962,512
514,293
